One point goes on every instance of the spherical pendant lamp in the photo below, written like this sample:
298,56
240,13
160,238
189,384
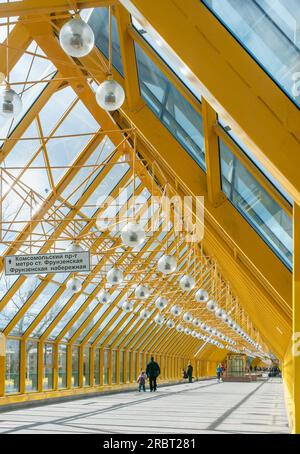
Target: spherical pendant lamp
187,331
114,276
196,322
187,317
159,319
211,305
201,296
170,324
133,234
187,283
110,95
104,297
144,314
219,312
74,285
10,102
74,247
175,310
127,306
161,303
76,38
179,328
142,292
167,264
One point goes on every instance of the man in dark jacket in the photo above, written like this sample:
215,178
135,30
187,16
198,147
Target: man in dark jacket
190,373
152,372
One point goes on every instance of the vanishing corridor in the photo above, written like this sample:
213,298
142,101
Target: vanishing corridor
201,407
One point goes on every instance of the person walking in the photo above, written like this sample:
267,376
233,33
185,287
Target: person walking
190,373
219,373
142,381
152,372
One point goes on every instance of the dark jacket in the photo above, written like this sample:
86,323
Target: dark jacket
152,369
190,371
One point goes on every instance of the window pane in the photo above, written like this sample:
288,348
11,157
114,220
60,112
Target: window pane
31,366
114,366
269,30
12,366
121,367
75,366
105,366
62,366
48,366
97,366
86,366
255,204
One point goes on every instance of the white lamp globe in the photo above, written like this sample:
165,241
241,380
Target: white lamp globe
114,276
161,303
187,331
204,326
196,322
144,314
76,38
175,310
211,305
199,335
127,306
110,95
170,324
194,333
159,319
219,312
225,318
142,292
74,285
187,317
104,297
201,296
179,328
167,264
133,234
10,102
187,283
74,247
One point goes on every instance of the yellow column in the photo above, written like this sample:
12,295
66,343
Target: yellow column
40,365
2,364
296,316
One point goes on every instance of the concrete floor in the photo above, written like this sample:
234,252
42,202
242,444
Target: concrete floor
201,407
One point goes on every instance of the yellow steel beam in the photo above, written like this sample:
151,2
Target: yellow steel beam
194,31
296,320
18,41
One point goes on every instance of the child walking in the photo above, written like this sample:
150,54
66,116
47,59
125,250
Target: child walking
142,381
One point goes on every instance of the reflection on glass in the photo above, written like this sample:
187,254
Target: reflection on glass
121,366
97,366
171,108
269,30
86,366
12,366
48,352
134,367
62,366
105,366
256,205
75,366
114,366
31,381
128,363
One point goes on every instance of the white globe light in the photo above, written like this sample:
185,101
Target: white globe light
74,285
110,95
219,312
201,296
144,314
104,297
204,326
187,331
127,306
194,333
179,328
76,38
225,318
133,234
175,310
187,283
211,305
10,102
114,276
161,303
74,247
170,324
159,319
167,264
142,292
199,335
196,322
187,317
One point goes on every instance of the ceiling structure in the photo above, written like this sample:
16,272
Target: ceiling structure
180,131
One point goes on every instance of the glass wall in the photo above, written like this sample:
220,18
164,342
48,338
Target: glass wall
86,366
12,366
75,366
128,360
31,383
48,362
97,366
121,366
105,366
271,222
269,30
114,366
172,109
62,366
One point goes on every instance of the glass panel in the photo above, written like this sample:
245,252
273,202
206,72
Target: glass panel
48,351
105,366
121,366
75,366
128,361
86,366
97,367
31,366
134,366
12,366
255,204
269,31
172,109
114,366
62,366
98,20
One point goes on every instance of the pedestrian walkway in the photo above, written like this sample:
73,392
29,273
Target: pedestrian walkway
200,407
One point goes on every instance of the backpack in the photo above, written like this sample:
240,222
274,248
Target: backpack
185,375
